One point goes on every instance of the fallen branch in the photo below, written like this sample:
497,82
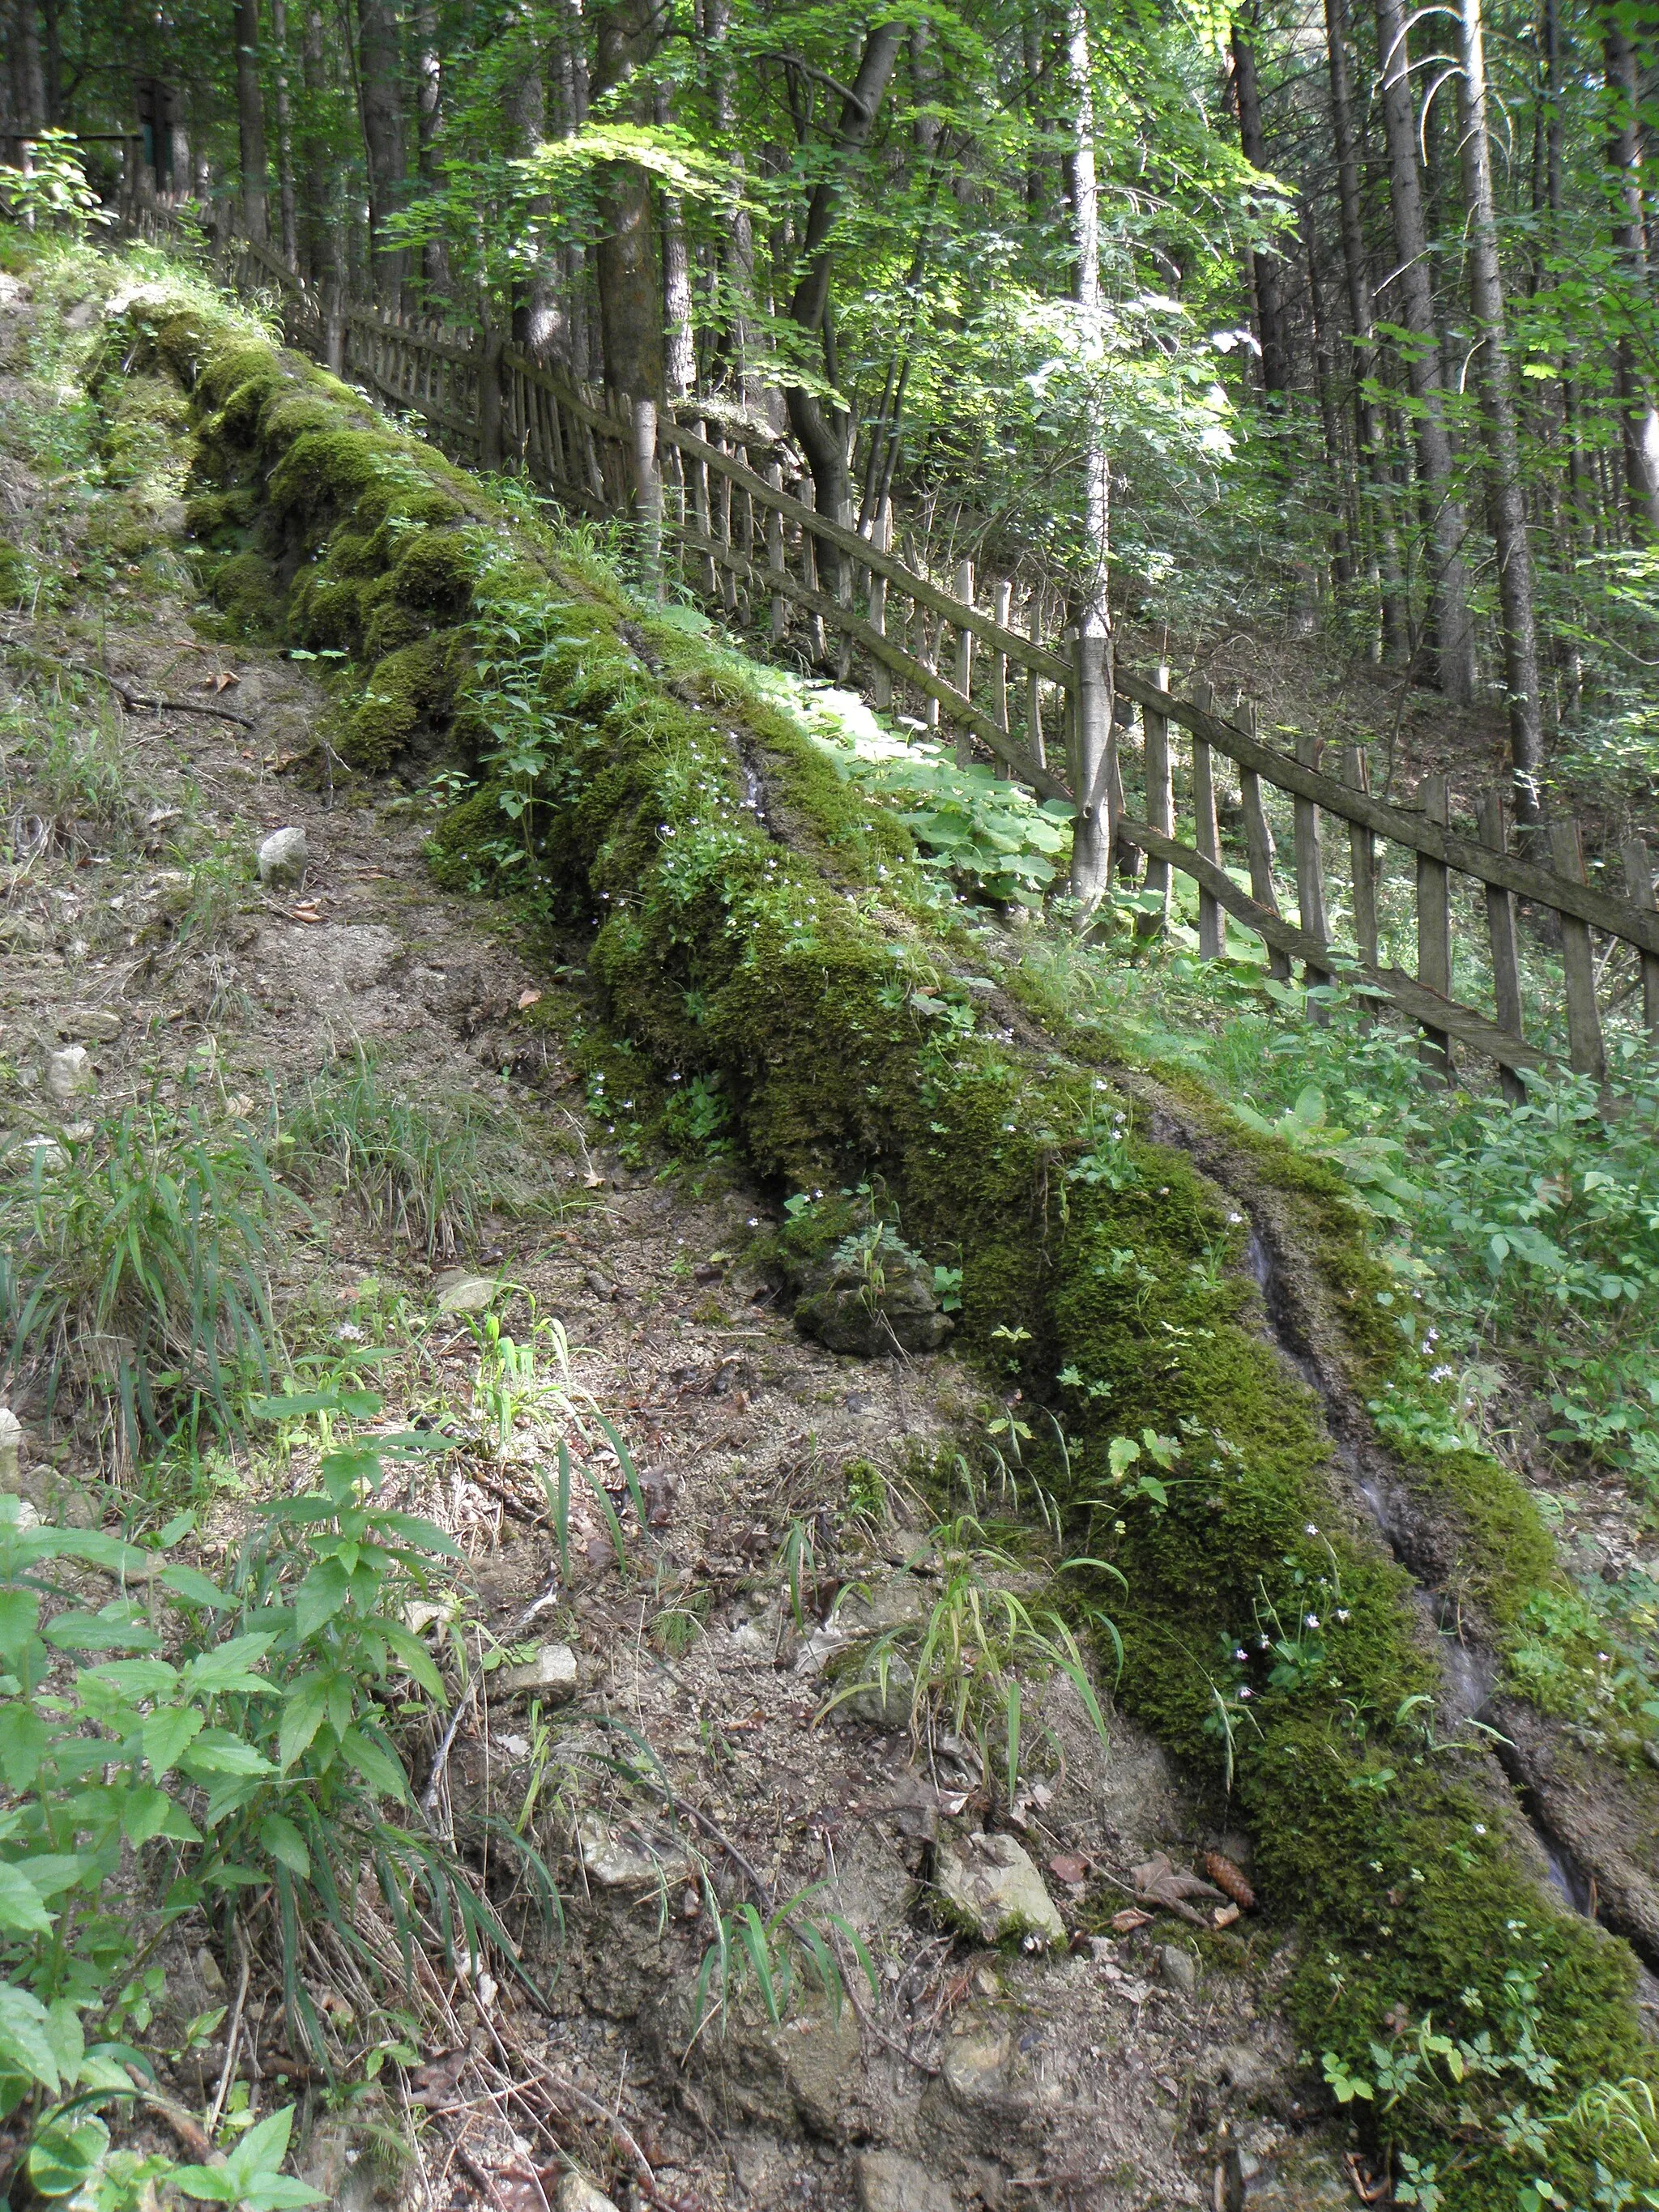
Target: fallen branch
135,701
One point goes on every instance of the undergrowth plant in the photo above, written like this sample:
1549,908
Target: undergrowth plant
136,1261
426,1167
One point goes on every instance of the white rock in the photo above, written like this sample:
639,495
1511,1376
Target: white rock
992,1885
70,1073
468,1294
51,1155
575,2193
617,1858
551,1673
11,1446
888,2183
282,856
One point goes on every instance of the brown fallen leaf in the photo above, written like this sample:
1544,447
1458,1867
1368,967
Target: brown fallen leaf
1224,1915
1068,1867
1226,1876
1157,1883
528,999
1126,1923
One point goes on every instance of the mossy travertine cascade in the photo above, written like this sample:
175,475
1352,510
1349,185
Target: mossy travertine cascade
752,923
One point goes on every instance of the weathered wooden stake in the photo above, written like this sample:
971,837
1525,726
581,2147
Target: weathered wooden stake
1211,923
774,553
1160,811
964,669
1003,594
1434,929
1259,845
1638,887
1309,862
1034,737
1584,1047
1505,949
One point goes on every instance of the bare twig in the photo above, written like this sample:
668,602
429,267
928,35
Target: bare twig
129,698
229,2066
435,1780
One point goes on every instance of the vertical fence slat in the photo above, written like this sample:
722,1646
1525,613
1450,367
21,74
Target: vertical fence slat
1310,861
964,667
1585,1047
881,681
1505,946
1362,858
1639,889
774,551
1258,846
1003,594
1434,928
1212,927
1034,737
1160,810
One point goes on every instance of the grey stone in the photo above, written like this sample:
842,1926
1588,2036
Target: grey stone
11,1447
466,1294
576,2193
551,1674
51,1155
282,856
883,1698
621,1858
100,1024
888,2183
70,1073
873,1308
1177,1969
991,1884
974,2064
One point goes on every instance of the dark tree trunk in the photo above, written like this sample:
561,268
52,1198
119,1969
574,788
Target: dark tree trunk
1368,420
428,121
53,84
1265,269
630,296
821,440
538,323
380,90
1330,417
285,207
1454,632
319,239
1508,502
250,117
1639,416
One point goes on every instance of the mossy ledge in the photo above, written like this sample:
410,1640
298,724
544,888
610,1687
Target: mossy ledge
749,921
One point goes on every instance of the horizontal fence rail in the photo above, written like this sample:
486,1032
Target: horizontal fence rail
723,504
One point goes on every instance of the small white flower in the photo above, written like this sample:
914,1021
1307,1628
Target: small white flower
349,1333
1342,1613
1310,1620
754,1221
1240,1653
1262,1643
1245,1692
1442,1374
1312,1530
1480,1827
1235,1219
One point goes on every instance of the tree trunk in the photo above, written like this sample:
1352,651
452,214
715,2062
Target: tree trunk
27,75
1454,632
679,352
286,213
630,297
1265,269
53,79
538,322
428,121
738,305
822,442
1091,831
317,230
250,117
1368,420
1637,415
1509,510
380,91
1336,453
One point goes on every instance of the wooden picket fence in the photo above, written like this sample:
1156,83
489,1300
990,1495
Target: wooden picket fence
725,506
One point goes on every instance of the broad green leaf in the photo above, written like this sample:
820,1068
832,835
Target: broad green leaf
264,2148
302,1715
21,1906
322,1594
285,1844
23,1741
211,2184
25,2046
166,1734
20,1613
65,2154
131,1678
143,1813
217,1751
97,1631
194,1587
227,1668
378,1768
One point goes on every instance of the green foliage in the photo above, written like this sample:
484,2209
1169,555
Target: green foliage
427,1168
136,1259
52,189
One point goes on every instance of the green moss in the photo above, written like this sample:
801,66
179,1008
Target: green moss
434,571
244,588
408,688
17,584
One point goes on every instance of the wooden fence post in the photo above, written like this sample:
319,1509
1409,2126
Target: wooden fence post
1505,950
1002,602
334,332
1585,1047
1259,844
1362,858
774,552
1091,735
1638,887
490,403
1309,863
1434,929
1034,737
1211,923
1160,810
647,490
964,668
